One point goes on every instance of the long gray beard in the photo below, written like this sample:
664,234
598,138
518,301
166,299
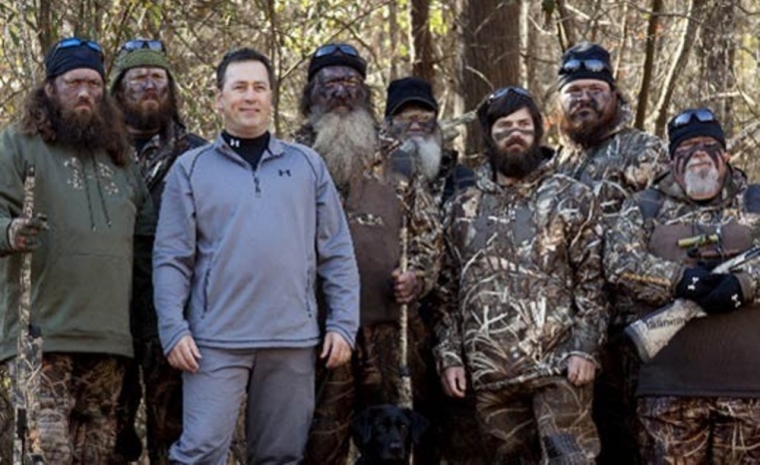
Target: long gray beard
428,156
346,141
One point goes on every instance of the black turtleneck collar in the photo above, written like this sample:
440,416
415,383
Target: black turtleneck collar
251,150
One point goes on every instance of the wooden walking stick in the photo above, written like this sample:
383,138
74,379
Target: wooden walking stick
28,362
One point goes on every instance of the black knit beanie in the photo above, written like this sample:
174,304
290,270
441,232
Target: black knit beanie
73,53
694,123
585,61
408,90
336,58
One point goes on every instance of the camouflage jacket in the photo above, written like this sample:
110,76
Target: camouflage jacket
626,162
521,280
154,161
424,233
649,279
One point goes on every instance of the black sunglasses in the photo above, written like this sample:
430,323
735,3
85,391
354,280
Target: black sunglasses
331,49
76,42
703,115
499,93
138,44
591,64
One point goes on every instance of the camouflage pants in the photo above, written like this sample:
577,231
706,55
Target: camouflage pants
550,424
6,415
701,430
373,378
77,405
163,405
621,434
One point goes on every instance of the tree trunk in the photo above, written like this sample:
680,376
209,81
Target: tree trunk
681,57
641,107
717,50
568,33
422,47
490,38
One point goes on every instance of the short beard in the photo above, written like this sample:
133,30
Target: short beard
428,156
347,142
702,185
588,134
144,120
514,164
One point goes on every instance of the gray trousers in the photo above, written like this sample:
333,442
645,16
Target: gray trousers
280,387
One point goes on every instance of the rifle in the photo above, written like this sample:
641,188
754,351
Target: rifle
654,331
28,362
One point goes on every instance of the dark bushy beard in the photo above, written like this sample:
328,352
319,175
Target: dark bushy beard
346,140
99,129
587,133
146,120
513,163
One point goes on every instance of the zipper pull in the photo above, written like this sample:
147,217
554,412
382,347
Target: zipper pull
256,182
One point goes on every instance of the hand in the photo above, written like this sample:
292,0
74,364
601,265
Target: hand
580,371
185,355
725,298
405,286
335,349
454,381
697,282
23,233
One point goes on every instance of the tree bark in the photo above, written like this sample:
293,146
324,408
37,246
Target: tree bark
717,50
679,63
490,39
422,46
641,107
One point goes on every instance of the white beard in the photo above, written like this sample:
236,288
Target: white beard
428,156
346,142
702,184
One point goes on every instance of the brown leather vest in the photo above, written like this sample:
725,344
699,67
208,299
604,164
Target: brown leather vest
374,215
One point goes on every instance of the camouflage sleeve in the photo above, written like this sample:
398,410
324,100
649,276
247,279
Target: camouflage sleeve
650,160
425,235
446,317
630,267
584,236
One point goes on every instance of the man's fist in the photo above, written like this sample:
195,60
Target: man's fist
23,233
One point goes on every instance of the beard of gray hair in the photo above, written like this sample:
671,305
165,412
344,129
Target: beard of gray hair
702,184
429,156
347,142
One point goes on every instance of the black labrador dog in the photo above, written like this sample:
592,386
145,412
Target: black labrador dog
385,434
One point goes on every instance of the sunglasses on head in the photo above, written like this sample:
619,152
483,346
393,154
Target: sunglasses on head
138,44
331,49
499,93
591,64
703,115
76,42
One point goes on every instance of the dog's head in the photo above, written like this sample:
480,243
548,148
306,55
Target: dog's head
385,433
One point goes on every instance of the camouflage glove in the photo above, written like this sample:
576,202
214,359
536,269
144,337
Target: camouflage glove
725,298
696,283
23,233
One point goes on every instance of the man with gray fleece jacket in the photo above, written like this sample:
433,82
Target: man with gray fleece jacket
249,226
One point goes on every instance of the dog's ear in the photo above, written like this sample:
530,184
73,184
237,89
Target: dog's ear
361,427
417,424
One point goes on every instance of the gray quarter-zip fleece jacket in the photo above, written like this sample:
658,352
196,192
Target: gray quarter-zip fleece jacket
238,251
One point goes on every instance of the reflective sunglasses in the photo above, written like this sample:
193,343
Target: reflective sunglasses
499,93
138,44
703,115
331,49
76,42
591,64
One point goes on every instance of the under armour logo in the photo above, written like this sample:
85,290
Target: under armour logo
234,142
736,300
692,286
284,172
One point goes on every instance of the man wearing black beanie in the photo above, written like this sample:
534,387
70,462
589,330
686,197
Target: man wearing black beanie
90,206
381,190
698,397
599,149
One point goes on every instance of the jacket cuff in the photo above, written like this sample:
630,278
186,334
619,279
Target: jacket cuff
446,358
748,285
349,338
5,245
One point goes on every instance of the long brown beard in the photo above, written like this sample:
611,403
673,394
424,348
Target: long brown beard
102,129
347,142
591,133
513,164
137,117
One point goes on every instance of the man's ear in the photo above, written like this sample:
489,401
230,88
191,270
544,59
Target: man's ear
417,424
361,427
218,101
49,89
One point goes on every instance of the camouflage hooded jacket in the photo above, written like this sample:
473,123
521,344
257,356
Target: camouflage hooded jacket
626,162
650,279
522,279
422,215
